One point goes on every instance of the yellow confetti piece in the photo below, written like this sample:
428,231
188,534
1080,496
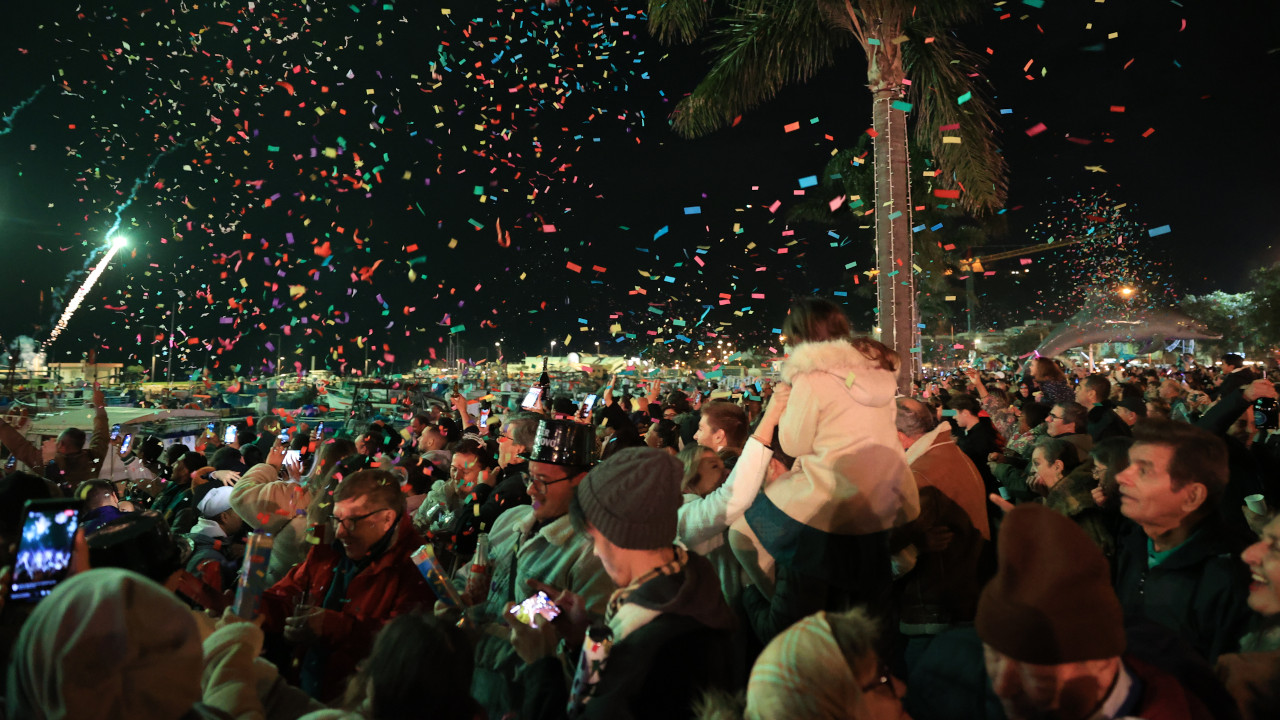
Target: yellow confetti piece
950,140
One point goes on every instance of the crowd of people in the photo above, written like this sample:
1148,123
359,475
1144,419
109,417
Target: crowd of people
1008,541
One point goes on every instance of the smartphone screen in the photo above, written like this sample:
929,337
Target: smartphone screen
230,435
484,416
584,412
535,605
284,436
292,456
11,463
320,431
115,431
124,446
44,552
531,400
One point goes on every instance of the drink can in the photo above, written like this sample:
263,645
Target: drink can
253,575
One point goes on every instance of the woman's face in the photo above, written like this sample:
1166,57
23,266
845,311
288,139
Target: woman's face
465,468
882,694
1263,559
651,436
1047,474
711,473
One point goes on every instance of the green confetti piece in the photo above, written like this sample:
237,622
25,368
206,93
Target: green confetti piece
900,105
964,98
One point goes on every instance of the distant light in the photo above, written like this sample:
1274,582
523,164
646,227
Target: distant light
1126,291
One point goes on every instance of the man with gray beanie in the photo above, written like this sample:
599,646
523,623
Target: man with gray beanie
668,622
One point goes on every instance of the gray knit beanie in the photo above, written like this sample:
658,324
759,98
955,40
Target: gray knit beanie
633,498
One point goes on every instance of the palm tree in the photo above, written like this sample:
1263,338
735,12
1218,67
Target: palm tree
763,45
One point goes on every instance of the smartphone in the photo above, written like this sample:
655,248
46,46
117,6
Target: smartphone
484,417
584,410
44,552
284,436
534,605
320,431
531,400
11,463
292,456
230,435
115,431
124,446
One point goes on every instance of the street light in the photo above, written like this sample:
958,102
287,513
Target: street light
1126,292
553,347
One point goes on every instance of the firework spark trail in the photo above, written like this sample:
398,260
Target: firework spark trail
79,297
8,119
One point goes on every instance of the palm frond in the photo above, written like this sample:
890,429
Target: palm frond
763,47
678,20
942,72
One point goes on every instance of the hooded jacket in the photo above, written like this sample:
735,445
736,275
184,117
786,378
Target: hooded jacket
850,476
268,504
671,641
108,643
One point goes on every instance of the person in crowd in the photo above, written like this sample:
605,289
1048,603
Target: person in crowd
850,483
975,436
215,536
1131,410
72,462
175,501
1053,634
1067,487
723,424
399,681
704,471
669,623
511,477
1068,421
1050,381
824,667
101,505
1235,375
1094,394
456,527
332,604
1110,458
1253,675
1009,466
278,506
663,435
1175,565
532,546
430,439
1175,395
110,644
268,429
941,553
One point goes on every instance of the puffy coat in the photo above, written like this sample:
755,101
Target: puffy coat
851,475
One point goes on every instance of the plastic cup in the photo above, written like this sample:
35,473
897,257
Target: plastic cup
1004,493
1256,503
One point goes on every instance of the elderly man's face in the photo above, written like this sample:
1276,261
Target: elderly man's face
1070,691
1147,496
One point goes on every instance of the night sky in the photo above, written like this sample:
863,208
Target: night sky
339,172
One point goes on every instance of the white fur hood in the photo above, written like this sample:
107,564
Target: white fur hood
869,384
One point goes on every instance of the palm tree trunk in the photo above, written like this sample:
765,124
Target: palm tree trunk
895,283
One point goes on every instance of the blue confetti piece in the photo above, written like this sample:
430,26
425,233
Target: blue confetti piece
809,181
693,210
1163,229
663,231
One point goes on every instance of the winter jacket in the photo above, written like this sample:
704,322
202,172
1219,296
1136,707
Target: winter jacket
1073,497
1056,391
1198,592
268,504
391,585
99,516
850,476
553,554
671,643
942,588
508,492
1103,422
246,686
207,547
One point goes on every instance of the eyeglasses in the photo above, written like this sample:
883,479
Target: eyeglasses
1053,417
542,485
883,677
350,523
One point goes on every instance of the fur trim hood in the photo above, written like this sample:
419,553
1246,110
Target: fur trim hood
869,383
